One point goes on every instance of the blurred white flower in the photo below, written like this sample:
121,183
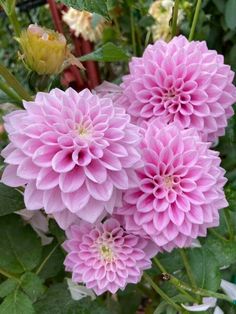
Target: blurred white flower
161,11
206,304
229,288
218,310
78,291
82,23
167,4
38,222
196,243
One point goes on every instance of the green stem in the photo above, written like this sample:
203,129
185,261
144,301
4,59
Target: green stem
199,291
175,18
195,19
181,285
14,83
8,91
46,259
8,275
162,293
228,223
14,22
132,32
139,41
187,267
117,27
159,265
163,270
147,38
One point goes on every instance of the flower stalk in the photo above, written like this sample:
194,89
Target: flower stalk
9,6
14,22
195,19
14,83
199,291
183,286
8,91
175,18
162,293
133,32
163,270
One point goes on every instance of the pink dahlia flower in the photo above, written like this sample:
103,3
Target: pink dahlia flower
180,190
105,257
72,151
181,81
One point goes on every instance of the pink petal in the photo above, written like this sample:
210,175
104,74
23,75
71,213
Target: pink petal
33,197
9,177
101,192
72,180
95,171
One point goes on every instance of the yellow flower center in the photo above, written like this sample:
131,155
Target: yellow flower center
168,182
83,131
106,252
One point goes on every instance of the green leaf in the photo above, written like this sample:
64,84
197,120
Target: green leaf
230,10
224,251
161,309
56,231
107,53
172,261
52,259
20,248
17,303
93,6
230,192
7,287
58,300
130,299
232,58
111,4
10,200
32,285
220,5
205,268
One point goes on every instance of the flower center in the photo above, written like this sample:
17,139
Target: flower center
168,182
83,131
170,94
106,252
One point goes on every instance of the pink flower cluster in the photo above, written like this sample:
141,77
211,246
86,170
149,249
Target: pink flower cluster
127,170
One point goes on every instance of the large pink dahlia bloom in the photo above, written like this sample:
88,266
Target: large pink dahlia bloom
72,151
180,190
181,81
105,257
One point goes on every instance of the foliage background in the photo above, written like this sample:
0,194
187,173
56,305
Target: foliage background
32,276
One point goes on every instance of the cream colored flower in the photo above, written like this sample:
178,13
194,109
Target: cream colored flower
45,51
161,11
81,23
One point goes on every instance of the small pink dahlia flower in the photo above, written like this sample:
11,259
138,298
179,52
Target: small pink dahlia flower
181,81
180,190
105,257
72,151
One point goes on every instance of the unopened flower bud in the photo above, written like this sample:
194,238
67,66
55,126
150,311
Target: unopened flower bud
45,51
